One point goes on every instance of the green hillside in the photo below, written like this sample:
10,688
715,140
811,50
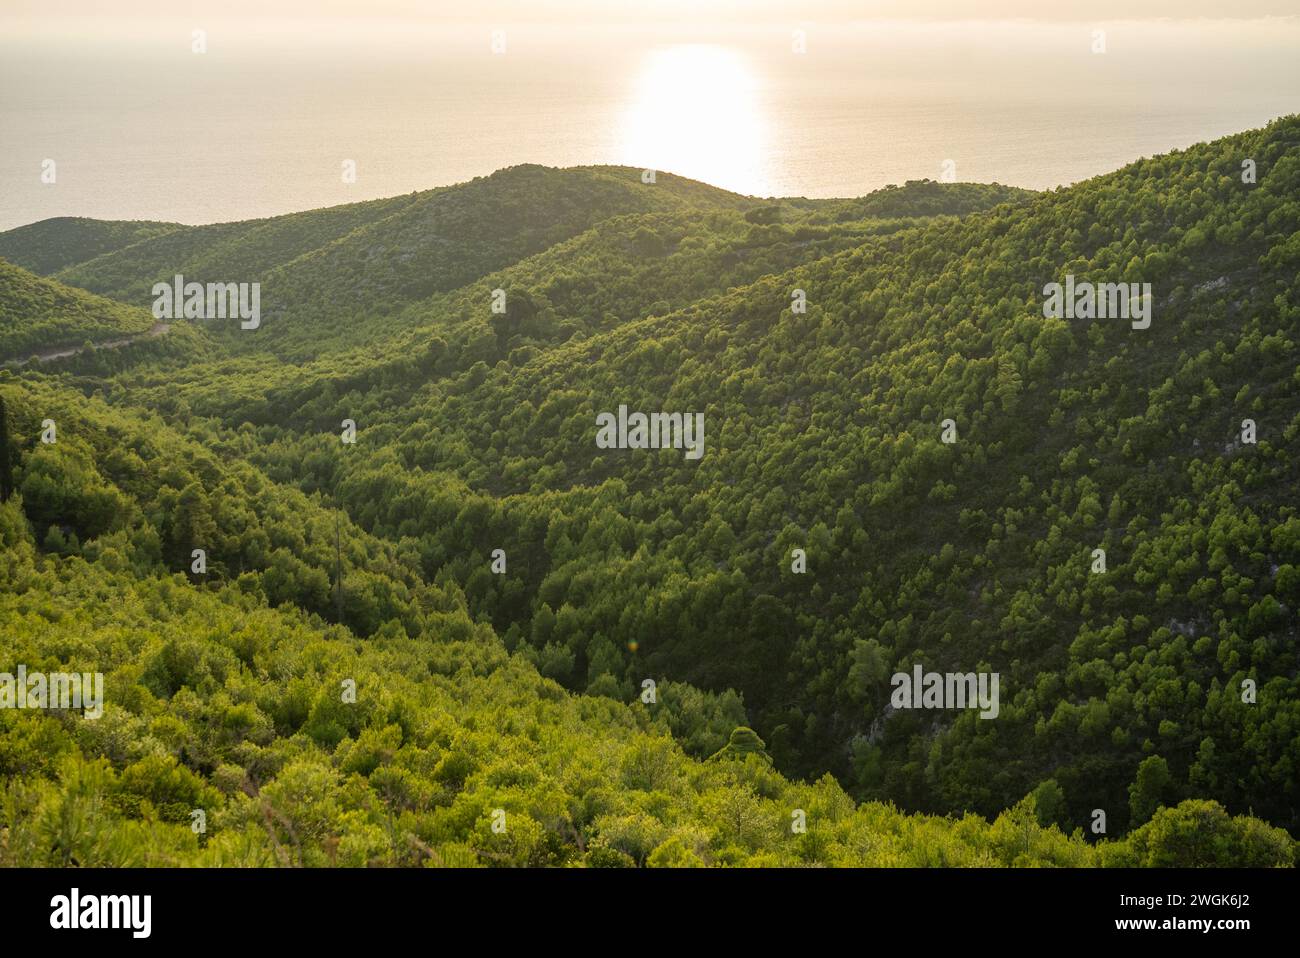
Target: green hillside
346,276
225,696
235,710
620,270
50,245
1159,688
39,315
327,270
825,435
226,252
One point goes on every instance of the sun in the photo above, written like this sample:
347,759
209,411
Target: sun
695,111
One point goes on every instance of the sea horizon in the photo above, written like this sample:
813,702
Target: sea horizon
140,127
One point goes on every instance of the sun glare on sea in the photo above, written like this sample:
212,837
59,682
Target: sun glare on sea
695,111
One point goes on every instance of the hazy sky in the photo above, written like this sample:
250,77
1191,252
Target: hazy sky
888,90
616,9
119,14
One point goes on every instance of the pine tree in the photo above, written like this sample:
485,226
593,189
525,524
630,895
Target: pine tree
6,458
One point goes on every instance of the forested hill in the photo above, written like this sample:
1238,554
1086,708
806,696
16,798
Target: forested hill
370,258
343,276
51,245
880,388
227,693
38,314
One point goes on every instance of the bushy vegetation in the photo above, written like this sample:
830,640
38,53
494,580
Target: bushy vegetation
221,705
1122,690
48,246
38,315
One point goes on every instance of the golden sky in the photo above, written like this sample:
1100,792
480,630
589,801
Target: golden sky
633,11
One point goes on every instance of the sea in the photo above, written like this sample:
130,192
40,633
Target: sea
198,121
